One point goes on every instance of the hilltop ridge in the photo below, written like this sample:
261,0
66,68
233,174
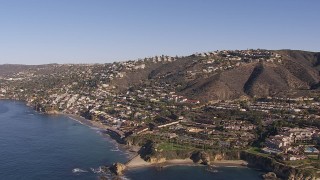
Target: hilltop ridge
216,75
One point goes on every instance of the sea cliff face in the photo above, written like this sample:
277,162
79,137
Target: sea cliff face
151,153
281,170
255,161
212,156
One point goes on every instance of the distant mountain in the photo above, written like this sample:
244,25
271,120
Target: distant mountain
8,69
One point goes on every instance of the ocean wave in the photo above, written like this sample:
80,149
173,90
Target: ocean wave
97,170
115,150
78,170
124,178
76,120
95,128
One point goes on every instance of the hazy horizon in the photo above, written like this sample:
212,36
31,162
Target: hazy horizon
88,32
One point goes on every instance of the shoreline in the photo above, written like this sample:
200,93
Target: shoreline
135,161
83,121
102,128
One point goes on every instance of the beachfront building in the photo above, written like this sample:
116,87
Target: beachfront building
288,138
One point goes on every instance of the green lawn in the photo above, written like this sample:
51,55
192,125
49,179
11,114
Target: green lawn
312,160
302,163
256,150
173,146
313,157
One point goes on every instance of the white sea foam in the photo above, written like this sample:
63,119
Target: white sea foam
77,120
125,178
97,170
78,170
114,150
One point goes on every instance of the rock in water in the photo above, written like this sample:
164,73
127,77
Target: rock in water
270,176
205,158
200,157
117,168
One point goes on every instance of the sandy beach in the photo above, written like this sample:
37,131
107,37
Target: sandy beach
87,122
138,162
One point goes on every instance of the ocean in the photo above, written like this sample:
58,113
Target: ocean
38,146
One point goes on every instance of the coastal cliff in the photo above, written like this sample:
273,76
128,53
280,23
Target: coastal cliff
150,152
281,170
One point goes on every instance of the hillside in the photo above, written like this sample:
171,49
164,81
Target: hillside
10,69
219,75
295,71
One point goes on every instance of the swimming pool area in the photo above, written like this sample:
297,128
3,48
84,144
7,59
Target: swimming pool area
311,149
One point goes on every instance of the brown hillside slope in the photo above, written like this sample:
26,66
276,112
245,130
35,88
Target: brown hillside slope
291,72
298,71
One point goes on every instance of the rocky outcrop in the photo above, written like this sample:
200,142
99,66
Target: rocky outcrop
155,160
52,112
200,157
270,176
117,168
218,157
115,136
281,170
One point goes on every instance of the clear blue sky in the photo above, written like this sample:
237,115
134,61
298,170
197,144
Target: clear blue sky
100,31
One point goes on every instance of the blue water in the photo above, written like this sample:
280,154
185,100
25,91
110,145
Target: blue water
36,146
195,172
